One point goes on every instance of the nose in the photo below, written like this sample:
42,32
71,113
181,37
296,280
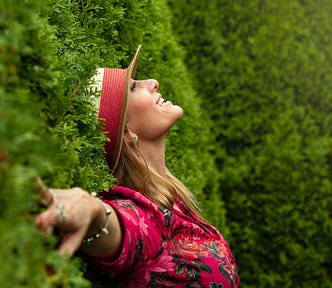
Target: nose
153,85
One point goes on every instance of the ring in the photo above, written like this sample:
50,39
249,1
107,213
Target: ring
62,211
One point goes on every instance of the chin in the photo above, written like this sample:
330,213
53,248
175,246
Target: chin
178,111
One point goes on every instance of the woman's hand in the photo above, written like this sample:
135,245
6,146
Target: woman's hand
76,214
72,212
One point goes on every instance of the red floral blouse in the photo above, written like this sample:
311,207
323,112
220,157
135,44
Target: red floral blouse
166,248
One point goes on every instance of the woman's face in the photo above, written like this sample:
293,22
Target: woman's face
149,115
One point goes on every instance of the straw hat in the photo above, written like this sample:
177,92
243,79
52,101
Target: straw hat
112,105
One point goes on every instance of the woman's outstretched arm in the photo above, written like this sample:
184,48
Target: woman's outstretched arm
80,217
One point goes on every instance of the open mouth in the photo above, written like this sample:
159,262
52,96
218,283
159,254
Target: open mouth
161,101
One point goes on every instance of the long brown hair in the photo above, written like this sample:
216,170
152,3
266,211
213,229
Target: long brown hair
133,171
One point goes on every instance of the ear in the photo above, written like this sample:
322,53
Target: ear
133,135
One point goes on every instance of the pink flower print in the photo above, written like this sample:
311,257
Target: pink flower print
184,244
161,264
143,226
218,249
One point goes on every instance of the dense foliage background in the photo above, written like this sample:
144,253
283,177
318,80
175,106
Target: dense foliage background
254,80
269,93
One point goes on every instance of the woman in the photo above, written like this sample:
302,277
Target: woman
146,231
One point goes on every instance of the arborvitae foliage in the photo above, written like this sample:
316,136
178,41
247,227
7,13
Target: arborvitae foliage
48,125
84,31
29,86
269,91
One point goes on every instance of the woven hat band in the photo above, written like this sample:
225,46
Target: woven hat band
112,110
112,105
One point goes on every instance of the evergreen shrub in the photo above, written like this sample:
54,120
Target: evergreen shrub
264,68
49,51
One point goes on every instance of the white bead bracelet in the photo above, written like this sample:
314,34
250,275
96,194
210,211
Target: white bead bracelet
103,230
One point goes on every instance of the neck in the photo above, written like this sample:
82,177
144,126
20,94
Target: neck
154,154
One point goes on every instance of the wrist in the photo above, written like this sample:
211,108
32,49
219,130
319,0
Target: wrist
100,226
106,245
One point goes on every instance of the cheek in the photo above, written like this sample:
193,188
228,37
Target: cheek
137,116
149,121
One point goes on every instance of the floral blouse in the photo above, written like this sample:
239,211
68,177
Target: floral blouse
166,248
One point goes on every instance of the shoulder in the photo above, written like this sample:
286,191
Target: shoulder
128,202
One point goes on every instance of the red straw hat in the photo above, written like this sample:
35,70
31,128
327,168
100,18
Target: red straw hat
112,105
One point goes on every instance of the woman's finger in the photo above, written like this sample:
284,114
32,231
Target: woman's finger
71,242
45,191
47,220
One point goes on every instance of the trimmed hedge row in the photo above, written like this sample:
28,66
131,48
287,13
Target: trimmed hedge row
269,92
49,51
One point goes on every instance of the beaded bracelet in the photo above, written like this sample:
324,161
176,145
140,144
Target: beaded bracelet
103,230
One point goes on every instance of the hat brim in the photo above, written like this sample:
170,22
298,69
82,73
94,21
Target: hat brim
130,74
112,105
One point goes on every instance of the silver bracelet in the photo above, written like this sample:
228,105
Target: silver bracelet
103,230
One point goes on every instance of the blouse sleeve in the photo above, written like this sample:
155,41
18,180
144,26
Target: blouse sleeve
141,222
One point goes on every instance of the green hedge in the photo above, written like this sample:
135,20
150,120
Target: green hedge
269,91
87,38
49,51
260,70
